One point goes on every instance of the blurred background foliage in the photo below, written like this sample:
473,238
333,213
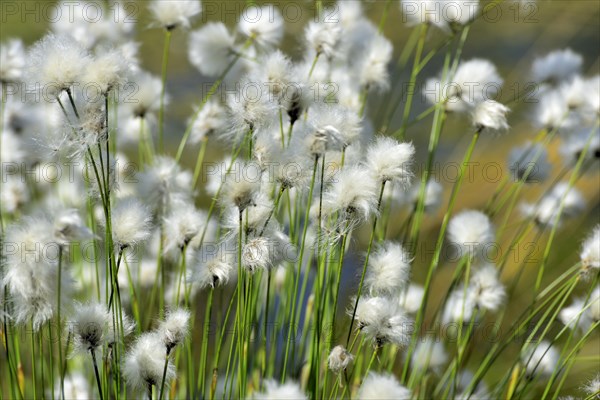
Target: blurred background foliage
511,37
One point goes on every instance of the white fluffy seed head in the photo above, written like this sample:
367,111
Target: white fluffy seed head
339,359
487,290
373,71
323,37
576,316
382,320
590,250
576,142
542,359
391,160
181,226
210,48
106,71
146,98
460,307
388,270
339,126
214,271
471,231
411,298
89,326
429,354
490,115
69,227
211,120
164,183
265,25
380,387
56,62
556,66
144,363
240,191
131,223
173,13
275,391
356,202
12,61
545,211
175,328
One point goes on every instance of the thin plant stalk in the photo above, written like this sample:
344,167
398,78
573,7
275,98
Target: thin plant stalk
161,111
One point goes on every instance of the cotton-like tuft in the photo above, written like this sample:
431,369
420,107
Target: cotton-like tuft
429,354
388,270
89,326
485,287
373,66
339,359
12,61
541,359
181,226
590,250
211,48
265,25
131,223
276,391
556,66
391,160
173,13
174,329
381,387
323,37
471,231
545,211
382,320
490,115
56,63
144,363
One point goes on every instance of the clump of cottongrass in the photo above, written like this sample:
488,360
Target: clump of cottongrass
471,231
339,359
144,363
211,48
429,354
382,320
378,387
131,223
276,391
388,269
530,162
174,13
391,160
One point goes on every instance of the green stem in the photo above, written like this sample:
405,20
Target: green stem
164,375
161,111
96,373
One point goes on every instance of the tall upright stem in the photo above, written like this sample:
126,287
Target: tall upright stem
161,111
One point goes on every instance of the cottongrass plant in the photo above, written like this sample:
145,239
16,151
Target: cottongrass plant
313,259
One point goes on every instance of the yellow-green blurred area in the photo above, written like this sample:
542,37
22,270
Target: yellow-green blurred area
511,36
